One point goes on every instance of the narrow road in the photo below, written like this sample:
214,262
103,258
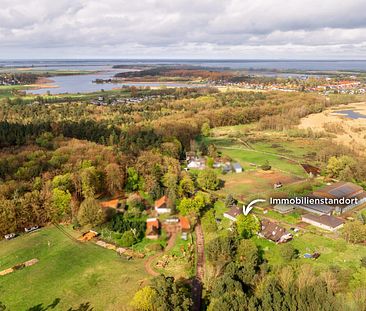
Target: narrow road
200,268
152,258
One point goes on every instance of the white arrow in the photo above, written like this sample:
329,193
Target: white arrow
249,207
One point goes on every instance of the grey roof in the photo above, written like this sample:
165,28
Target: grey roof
341,189
321,208
237,166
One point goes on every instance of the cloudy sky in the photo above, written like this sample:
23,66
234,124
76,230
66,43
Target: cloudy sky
297,29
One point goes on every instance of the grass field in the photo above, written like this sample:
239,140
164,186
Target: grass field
245,157
333,252
73,272
245,144
251,184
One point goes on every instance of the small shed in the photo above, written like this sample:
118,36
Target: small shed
237,168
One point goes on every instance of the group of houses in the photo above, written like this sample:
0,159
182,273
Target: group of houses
322,215
335,192
154,225
170,225
200,163
269,230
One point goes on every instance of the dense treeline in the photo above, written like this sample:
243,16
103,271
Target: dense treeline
245,281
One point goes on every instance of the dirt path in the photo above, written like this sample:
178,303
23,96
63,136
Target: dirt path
151,259
200,268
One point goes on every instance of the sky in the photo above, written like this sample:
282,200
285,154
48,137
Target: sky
209,29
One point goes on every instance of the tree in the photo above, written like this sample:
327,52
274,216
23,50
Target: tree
133,180
230,201
186,186
212,151
114,178
63,182
45,140
193,206
205,129
210,162
128,238
341,167
2,306
171,295
220,251
61,201
247,261
354,232
208,180
89,181
209,221
90,213
247,225
247,253
288,251
8,216
170,181
363,261
144,299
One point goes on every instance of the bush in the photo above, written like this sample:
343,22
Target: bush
128,239
156,247
288,252
266,166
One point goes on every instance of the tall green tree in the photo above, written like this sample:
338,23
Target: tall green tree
90,213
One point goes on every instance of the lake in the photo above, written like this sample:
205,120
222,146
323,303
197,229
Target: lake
83,83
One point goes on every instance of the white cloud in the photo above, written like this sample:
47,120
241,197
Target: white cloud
181,28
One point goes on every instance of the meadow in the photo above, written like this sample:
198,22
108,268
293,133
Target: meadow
68,273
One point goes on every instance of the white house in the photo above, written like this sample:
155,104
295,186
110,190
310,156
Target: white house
161,205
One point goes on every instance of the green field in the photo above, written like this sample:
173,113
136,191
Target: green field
334,252
67,270
245,144
246,156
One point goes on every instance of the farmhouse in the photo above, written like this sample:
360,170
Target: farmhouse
185,226
234,212
196,163
324,221
283,209
162,205
152,228
319,209
237,168
342,190
273,232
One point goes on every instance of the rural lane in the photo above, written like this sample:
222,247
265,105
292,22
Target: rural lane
200,268
150,260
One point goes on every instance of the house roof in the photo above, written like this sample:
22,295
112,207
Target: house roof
327,220
340,189
110,204
311,169
272,231
321,208
152,226
184,223
234,211
163,200
152,222
152,231
237,166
